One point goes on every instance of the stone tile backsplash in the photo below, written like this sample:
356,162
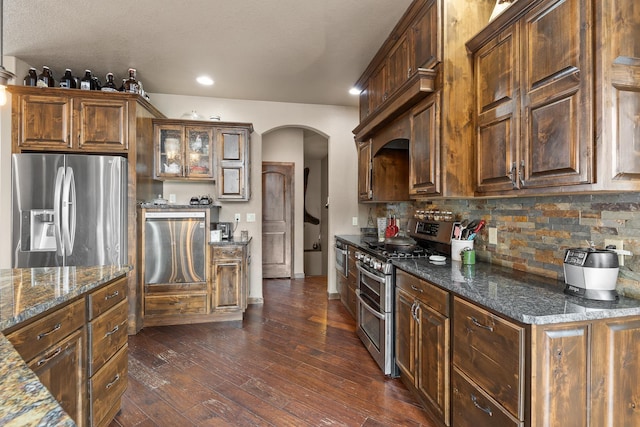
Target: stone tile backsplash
533,232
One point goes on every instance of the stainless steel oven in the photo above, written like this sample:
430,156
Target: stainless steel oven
342,255
375,310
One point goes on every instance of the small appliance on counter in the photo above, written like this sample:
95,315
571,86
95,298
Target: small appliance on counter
591,273
226,229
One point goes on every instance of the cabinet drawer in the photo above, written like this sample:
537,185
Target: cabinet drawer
489,350
107,334
175,304
223,252
474,408
429,294
105,298
42,334
107,386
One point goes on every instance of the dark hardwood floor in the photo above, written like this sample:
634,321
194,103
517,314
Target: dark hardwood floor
296,361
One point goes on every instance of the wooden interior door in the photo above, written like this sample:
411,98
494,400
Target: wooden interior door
277,220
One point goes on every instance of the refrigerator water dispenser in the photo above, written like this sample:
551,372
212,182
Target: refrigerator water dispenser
42,230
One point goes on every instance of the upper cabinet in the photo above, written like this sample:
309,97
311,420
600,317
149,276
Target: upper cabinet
429,81
202,150
234,163
183,151
557,98
69,120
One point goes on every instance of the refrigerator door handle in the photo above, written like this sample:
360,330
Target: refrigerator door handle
57,202
69,211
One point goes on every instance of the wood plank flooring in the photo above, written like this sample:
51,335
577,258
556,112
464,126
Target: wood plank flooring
295,361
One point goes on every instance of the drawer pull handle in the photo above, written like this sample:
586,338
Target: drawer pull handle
55,328
477,405
417,289
113,331
113,295
115,380
49,357
480,325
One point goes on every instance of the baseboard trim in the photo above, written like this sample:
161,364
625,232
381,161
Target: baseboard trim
259,301
334,295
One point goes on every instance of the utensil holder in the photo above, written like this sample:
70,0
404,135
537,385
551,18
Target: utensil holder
457,246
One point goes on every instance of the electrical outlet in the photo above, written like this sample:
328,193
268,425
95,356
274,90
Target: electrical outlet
619,244
251,217
493,236
238,217
354,220
172,198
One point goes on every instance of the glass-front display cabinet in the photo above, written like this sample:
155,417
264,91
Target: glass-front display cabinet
183,151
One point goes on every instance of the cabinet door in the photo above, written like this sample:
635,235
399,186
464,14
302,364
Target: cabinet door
169,151
364,171
557,95
103,124
44,122
614,378
365,107
405,334
425,50
433,358
378,87
233,164
398,64
198,152
497,107
560,359
227,292
60,369
424,147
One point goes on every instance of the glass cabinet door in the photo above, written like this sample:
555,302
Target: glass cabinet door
199,152
170,152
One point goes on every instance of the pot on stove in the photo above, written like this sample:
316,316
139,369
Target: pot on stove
400,243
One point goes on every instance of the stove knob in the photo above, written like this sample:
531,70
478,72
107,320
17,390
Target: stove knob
366,259
377,265
358,255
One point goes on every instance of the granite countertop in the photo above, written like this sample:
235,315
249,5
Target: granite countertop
231,242
518,295
151,205
24,294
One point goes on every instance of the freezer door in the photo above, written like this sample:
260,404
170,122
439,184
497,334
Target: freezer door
94,210
35,188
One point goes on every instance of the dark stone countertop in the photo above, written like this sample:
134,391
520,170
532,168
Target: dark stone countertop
231,242
24,294
151,205
521,296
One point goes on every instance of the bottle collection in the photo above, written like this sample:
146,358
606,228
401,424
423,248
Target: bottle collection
87,82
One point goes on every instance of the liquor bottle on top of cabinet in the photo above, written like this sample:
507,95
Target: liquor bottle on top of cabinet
67,80
31,79
131,84
45,79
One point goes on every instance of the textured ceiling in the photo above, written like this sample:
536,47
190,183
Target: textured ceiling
306,51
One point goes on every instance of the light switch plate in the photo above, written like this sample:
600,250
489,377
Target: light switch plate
619,244
493,236
354,220
251,217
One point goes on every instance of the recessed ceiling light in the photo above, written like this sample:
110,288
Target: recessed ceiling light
354,91
205,80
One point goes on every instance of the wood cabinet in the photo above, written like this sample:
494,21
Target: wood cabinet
574,373
53,347
432,34
229,279
93,122
234,163
424,147
107,367
183,150
347,285
79,352
535,100
73,120
423,342
489,353
365,170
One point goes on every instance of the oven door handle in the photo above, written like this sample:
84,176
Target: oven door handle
369,309
369,274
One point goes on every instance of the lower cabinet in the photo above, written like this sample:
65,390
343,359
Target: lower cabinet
79,353
229,279
423,342
347,285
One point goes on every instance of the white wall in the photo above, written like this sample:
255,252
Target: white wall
333,121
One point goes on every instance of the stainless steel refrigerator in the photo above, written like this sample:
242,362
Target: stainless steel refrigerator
68,209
